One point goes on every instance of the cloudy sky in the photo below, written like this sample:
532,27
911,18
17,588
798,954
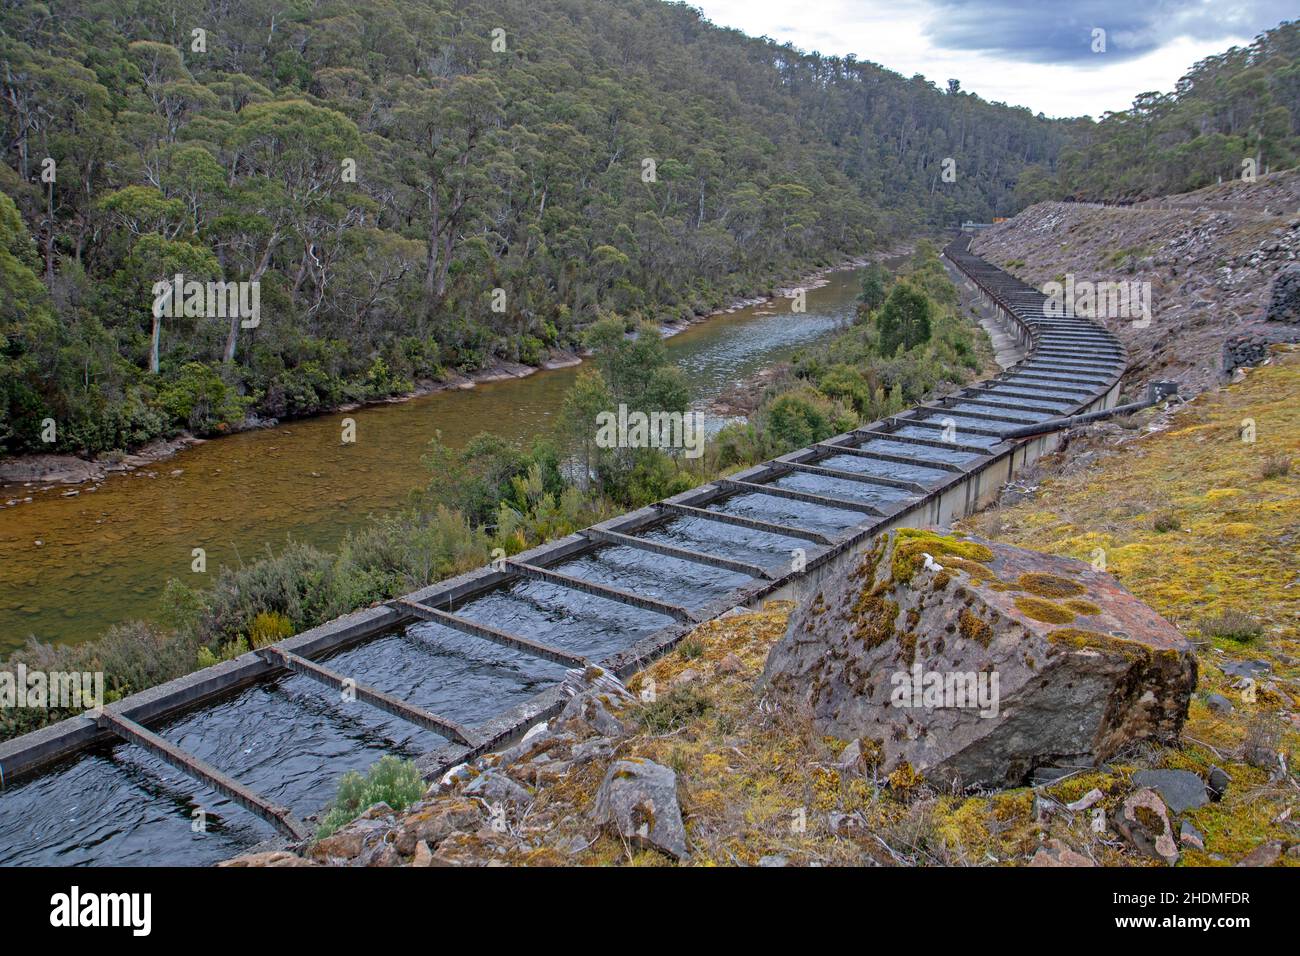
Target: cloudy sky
1023,52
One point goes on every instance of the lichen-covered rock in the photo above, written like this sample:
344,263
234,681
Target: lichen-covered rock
423,856
637,801
590,710
351,841
1143,820
432,823
1266,854
974,663
497,788
1055,853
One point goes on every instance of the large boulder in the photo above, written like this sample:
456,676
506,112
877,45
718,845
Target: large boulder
975,663
637,801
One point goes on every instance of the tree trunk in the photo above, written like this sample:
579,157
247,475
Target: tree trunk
435,227
232,335
155,341
49,238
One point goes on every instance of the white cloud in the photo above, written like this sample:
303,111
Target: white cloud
895,36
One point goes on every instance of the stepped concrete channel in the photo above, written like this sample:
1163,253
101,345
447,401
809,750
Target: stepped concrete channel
256,741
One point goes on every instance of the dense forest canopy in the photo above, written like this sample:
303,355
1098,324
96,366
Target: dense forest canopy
1241,105
421,186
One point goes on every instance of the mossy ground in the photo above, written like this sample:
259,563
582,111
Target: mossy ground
756,780
1235,551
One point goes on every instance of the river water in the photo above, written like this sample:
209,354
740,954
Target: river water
105,555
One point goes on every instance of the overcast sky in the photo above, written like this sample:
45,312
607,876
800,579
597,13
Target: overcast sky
1022,52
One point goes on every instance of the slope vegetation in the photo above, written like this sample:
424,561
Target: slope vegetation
423,187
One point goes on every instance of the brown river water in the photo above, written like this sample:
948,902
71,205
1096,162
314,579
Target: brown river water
106,555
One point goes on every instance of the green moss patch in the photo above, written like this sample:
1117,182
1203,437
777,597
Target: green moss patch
1079,606
1045,611
973,628
1049,585
914,543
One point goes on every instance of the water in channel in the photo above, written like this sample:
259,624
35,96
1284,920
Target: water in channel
106,555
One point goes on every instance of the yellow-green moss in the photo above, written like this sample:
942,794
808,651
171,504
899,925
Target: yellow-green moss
1080,606
973,628
875,616
978,572
912,544
904,778
1049,585
1045,611
1081,637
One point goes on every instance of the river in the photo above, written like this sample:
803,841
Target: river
106,555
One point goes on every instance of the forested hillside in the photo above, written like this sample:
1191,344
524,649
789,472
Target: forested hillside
382,169
1243,104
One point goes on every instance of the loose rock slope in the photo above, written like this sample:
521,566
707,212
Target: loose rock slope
1212,257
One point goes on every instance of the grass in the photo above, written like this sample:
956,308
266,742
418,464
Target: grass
1231,624
1275,466
674,709
690,648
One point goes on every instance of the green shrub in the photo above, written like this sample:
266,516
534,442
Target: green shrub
389,780
672,710
269,627
905,318
200,400
803,416
1163,521
691,648
1231,624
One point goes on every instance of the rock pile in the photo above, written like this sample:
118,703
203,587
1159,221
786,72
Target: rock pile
974,663
1249,349
1284,297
